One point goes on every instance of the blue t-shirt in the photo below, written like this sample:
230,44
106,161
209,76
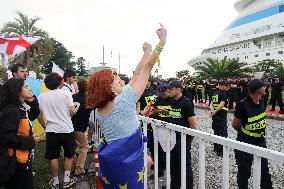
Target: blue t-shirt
122,121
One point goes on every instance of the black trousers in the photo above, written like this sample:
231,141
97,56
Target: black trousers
233,97
210,94
176,164
23,179
206,95
244,162
277,97
199,95
265,100
219,125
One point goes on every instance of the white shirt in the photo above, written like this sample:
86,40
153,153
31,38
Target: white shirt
55,105
68,88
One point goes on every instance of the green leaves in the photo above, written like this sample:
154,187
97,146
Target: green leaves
215,68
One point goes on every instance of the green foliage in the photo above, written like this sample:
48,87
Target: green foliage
280,72
181,74
40,52
61,56
268,66
214,68
81,71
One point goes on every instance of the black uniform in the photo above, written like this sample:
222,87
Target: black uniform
244,89
199,88
191,90
219,121
212,87
147,97
276,96
233,94
162,104
181,110
253,121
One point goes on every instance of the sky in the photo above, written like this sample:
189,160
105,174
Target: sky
122,26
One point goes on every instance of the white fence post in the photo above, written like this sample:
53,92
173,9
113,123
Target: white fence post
168,160
156,159
183,161
256,171
202,164
226,168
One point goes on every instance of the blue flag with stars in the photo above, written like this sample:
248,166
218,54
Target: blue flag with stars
121,163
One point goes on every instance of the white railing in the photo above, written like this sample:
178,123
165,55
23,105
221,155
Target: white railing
228,144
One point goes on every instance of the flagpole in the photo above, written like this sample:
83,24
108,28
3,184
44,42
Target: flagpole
119,63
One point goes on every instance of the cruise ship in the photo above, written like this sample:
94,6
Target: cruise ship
257,33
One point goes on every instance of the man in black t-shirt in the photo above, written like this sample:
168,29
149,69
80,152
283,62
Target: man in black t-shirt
182,113
219,114
250,122
80,122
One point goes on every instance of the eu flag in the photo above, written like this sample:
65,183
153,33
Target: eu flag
122,162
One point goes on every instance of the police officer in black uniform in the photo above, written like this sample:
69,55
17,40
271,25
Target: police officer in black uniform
212,87
199,89
160,111
250,123
276,95
191,90
182,113
219,114
233,93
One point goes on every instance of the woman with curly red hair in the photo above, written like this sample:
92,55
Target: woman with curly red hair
121,153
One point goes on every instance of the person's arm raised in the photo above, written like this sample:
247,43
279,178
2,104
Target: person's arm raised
143,70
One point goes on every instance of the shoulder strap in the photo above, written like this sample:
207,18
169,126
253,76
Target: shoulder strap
68,88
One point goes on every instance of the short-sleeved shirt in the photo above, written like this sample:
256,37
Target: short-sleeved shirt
253,120
55,105
181,110
147,96
217,97
122,121
68,88
165,104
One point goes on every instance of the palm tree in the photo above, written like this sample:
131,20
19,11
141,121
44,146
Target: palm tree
224,68
25,26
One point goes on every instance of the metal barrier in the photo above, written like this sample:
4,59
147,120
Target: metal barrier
257,152
228,144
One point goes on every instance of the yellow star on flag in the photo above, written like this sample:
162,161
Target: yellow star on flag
102,140
123,187
104,179
140,175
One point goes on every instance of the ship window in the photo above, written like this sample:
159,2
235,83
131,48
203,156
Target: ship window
256,55
280,52
281,8
267,54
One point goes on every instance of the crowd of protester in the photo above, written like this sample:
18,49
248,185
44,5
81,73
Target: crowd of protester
64,112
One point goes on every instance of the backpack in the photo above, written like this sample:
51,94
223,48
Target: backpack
7,162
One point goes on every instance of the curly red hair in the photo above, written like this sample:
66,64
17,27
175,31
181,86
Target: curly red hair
99,91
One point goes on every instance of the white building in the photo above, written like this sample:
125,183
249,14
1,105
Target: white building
256,34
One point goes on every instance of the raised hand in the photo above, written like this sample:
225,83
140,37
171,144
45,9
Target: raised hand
147,48
162,33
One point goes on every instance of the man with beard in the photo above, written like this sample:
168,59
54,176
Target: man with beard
182,113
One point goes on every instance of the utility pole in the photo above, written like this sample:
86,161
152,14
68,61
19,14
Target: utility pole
119,63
